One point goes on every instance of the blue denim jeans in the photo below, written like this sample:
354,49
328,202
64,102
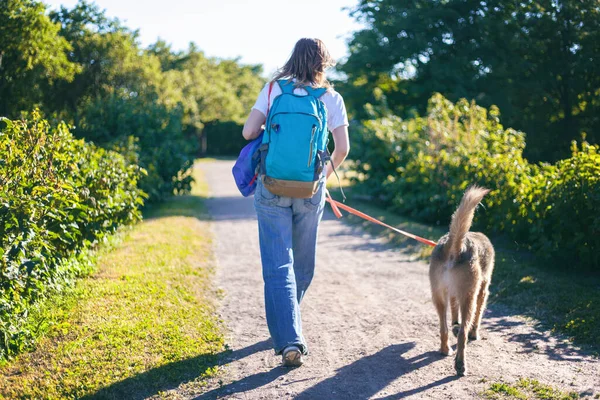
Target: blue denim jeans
287,229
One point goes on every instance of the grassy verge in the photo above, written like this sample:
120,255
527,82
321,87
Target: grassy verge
526,389
142,324
566,303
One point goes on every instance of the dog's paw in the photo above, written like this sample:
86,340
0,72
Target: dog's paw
460,366
455,329
474,336
447,351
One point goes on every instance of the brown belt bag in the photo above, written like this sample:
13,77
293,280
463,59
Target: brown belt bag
297,189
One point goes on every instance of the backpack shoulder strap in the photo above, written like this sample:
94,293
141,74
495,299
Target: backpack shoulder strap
286,85
269,98
315,92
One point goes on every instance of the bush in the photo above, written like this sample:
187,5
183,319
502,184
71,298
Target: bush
224,138
421,167
59,197
565,223
379,156
146,132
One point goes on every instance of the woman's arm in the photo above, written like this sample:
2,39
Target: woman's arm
342,147
253,124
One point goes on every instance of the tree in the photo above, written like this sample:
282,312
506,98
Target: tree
32,55
163,98
535,59
209,90
110,59
91,71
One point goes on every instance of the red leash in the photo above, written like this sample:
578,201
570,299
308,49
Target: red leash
336,211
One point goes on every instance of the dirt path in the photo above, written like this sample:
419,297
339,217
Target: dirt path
369,322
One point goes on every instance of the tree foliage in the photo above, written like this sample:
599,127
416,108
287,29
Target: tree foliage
537,60
140,112
32,55
153,103
421,167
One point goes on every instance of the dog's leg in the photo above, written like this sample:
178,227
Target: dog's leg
467,305
441,304
454,314
481,301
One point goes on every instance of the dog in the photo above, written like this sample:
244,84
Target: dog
460,272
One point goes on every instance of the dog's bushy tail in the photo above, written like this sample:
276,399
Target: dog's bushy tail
463,218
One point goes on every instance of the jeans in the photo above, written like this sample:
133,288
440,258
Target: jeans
287,229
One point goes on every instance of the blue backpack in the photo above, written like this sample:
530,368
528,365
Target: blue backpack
294,146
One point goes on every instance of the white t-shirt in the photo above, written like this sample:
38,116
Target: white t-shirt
336,110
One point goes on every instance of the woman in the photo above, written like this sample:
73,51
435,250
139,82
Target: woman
288,226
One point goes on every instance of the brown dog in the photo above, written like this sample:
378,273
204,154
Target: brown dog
460,271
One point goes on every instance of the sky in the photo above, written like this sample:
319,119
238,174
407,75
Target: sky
256,31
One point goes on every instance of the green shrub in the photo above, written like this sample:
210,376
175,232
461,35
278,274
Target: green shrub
421,167
224,138
147,132
379,154
59,197
565,222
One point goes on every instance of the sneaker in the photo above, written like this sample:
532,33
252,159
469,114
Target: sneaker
292,357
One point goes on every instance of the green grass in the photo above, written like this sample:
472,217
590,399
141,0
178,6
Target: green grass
142,324
566,303
527,389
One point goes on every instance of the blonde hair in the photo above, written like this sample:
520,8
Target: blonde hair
307,64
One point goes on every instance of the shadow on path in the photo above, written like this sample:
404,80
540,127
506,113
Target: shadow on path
369,375
172,375
246,384
535,339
